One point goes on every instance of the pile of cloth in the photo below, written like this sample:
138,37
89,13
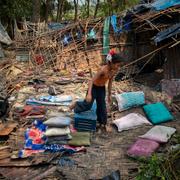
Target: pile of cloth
54,135
30,111
58,130
60,100
61,131
37,141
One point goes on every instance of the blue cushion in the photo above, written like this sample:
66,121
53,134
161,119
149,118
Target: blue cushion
157,113
128,100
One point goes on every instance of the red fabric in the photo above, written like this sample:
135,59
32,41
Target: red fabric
33,110
112,52
39,59
36,135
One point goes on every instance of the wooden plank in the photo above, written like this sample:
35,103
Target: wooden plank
6,129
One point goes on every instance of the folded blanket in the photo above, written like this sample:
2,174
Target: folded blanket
80,139
58,121
57,131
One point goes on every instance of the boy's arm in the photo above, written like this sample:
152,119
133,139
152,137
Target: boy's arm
109,89
97,76
89,94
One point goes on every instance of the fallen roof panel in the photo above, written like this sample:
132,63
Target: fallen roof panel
164,4
173,30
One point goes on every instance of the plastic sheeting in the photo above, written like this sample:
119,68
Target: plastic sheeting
56,26
173,30
4,37
164,4
1,52
124,24
114,24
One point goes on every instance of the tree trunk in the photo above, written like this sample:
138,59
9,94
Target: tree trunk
88,6
76,9
110,7
48,7
36,11
124,4
96,9
60,10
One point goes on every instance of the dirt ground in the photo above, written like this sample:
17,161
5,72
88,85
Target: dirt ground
106,153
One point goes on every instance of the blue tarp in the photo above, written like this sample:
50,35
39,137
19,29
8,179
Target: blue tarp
167,33
56,26
124,23
91,34
114,24
164,4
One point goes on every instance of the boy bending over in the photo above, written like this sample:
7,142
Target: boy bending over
96,89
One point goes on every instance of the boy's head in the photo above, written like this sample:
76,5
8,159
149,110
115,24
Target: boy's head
114,58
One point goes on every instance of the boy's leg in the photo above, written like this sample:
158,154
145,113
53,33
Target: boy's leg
101,106
102,110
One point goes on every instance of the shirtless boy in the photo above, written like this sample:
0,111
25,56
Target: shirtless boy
96,89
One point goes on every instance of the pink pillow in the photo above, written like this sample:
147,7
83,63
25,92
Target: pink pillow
143,147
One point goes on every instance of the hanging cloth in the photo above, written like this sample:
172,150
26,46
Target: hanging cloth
106,39
114,24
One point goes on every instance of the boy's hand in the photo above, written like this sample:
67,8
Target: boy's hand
89,98
109,100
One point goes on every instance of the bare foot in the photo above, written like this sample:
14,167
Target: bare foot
72,106
98,131
98,126
107,128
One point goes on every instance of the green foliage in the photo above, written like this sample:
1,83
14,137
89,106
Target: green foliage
83,12
131,3
162,167
151,169
15,8
116,7
103,10
67,6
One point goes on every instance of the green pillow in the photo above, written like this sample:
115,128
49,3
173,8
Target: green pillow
80,139
157,113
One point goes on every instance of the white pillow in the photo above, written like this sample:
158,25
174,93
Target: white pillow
57,131
159,133
130,121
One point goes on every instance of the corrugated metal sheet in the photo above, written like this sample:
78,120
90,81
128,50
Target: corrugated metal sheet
172,65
